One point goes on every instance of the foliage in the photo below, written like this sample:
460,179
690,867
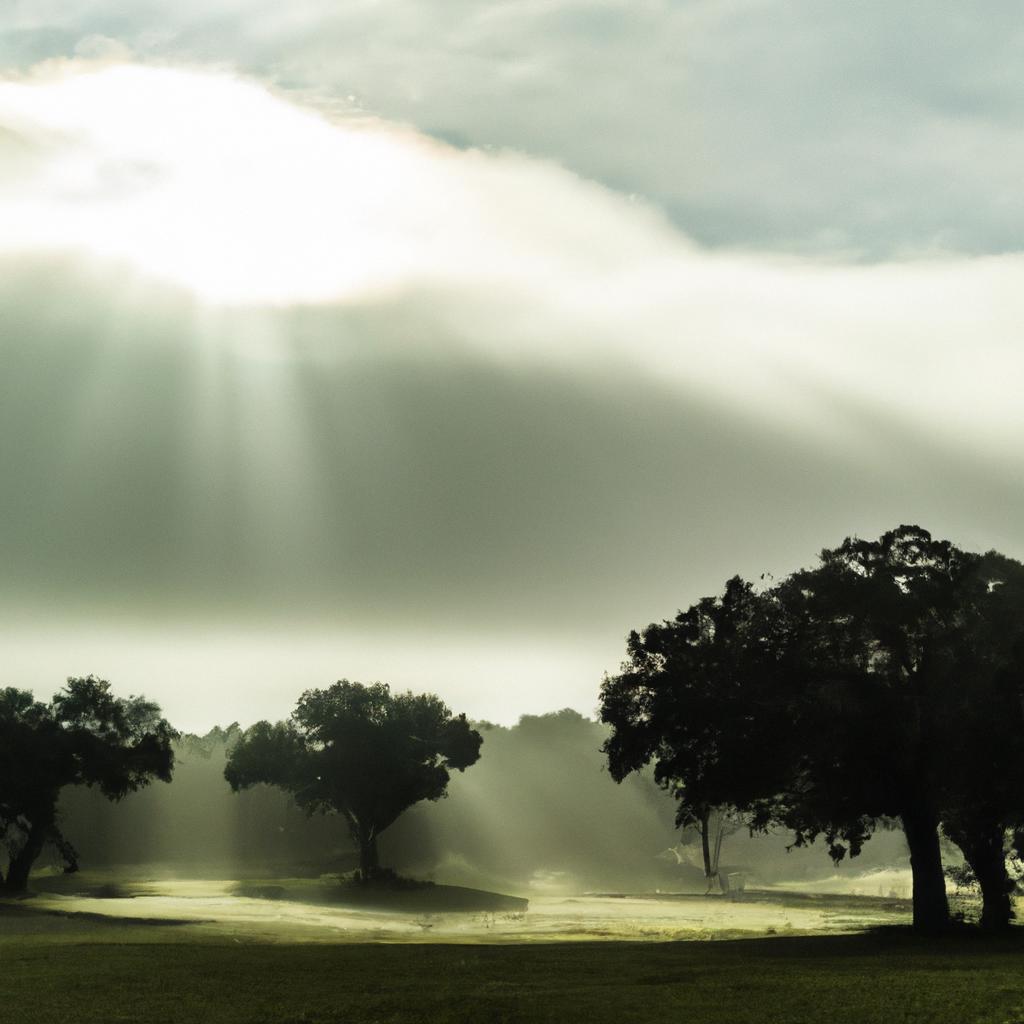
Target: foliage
884,683
359,751
85,736
685,699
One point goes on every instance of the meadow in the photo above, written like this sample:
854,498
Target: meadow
61,965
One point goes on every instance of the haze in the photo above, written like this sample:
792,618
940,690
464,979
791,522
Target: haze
443,344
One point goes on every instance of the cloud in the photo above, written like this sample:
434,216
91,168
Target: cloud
873,130
214,184
284,370
218,186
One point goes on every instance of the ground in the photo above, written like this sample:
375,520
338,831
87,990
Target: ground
873,978
83,966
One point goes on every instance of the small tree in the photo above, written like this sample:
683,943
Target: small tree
83,736
358,751
699,698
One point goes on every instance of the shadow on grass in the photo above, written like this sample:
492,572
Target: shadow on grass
877,941
23,910
393,895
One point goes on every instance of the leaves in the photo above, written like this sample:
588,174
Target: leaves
357,750
886,680
83,736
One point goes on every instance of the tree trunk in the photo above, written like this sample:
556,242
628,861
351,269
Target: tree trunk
716,856
21,863
931,908
705,849
985,853
369,859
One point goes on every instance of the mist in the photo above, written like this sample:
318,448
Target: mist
538,815
509,509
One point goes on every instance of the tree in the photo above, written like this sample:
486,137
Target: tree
699,696
876,686
83,736
928,639
358,751
983,784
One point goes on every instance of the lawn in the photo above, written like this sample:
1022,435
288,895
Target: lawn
94,971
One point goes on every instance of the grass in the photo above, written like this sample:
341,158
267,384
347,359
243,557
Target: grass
86,971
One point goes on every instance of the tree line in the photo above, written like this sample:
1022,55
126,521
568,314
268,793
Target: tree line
538,808
883,686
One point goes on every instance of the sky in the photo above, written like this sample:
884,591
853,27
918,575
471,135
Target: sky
444,343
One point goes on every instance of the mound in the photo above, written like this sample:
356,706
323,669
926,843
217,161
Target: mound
390,894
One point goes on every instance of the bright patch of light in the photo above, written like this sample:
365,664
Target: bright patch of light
213,184
217,185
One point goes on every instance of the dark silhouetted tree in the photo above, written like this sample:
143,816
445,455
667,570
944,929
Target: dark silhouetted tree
883,684
982,774
83,736
702,698
919,643
359,751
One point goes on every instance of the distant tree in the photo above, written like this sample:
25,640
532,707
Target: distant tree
883,684
562,819
83,736
358,751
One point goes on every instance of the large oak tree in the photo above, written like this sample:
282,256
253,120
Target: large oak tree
882,685
358,751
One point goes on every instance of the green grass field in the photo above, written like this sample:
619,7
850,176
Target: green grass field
93,971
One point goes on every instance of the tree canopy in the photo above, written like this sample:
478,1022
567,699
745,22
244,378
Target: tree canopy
883,684
359,751
83,736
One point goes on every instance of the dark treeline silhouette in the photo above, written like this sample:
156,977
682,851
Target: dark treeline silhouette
885,684
877,695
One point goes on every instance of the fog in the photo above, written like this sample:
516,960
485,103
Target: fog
443,347
292,390
538,815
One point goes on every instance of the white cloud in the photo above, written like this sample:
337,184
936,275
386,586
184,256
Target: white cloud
209,451
217,185
876,129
